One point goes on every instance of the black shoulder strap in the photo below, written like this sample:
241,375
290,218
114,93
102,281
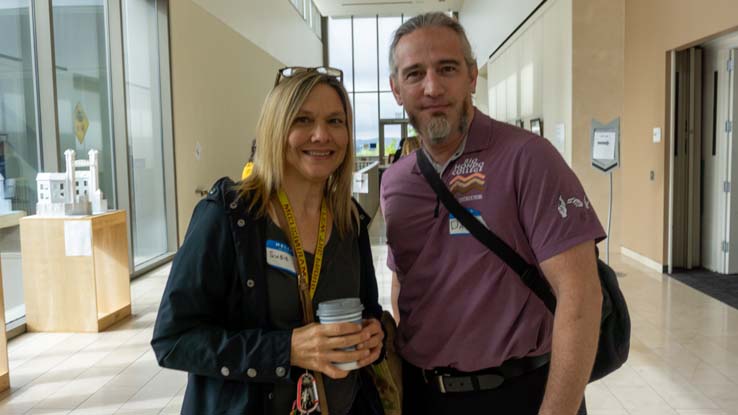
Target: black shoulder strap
528,273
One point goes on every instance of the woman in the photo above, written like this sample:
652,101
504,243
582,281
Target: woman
407,146
231,313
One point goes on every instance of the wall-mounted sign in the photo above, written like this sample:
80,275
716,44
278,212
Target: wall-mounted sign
605,144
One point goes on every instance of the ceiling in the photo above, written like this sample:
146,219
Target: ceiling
384,7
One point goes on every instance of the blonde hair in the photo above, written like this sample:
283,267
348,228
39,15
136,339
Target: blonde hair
277,116
409,145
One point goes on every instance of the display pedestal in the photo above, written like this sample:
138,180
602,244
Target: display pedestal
75,272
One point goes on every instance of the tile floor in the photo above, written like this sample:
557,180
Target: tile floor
684,356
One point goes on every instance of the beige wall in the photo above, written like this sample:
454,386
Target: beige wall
597,93
219,81
652,28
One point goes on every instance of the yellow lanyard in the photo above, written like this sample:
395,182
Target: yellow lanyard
295,234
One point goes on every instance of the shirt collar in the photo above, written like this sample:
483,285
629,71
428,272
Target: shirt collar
440,168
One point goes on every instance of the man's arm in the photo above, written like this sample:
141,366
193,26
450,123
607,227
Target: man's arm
394,295
573,277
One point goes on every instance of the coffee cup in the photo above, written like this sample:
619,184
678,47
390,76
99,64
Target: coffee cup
342,310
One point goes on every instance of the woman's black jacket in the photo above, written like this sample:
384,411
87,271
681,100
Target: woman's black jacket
213,320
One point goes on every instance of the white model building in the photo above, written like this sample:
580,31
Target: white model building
74,192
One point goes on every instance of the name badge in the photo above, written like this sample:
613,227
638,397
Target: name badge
456,228
279,255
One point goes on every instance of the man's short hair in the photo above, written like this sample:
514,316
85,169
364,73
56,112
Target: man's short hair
436,19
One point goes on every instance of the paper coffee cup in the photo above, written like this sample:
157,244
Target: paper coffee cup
342,310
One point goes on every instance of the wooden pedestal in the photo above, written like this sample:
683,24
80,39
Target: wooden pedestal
75,272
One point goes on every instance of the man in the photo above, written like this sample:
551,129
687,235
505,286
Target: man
466,321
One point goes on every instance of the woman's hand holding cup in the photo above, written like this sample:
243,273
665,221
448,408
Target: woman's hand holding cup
375,343
318,346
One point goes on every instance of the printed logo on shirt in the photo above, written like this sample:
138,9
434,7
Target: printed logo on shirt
563,205
470,198
467,180
279,255
456,228
468,166
467,183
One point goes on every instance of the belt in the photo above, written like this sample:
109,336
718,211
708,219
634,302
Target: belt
447,379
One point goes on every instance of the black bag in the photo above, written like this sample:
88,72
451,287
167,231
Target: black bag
614,340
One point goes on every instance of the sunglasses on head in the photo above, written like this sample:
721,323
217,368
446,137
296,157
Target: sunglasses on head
291,71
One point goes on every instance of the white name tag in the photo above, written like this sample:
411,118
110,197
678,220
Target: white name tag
279,255
456,228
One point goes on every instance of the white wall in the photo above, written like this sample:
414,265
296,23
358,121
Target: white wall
530,77
489,22
480,97
273,25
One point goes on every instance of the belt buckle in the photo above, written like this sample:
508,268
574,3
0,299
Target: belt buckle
455,383
433,377
467,383
441,385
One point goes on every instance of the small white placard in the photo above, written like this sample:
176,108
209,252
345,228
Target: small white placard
657,135
560,137
78,238
604,145
361,183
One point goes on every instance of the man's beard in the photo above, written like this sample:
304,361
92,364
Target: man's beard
439,128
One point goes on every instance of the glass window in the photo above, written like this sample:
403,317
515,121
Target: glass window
362,44
365,54
83,84
145,129
18,133
392,138
339,49
388,107
367,124
19,142
387,27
